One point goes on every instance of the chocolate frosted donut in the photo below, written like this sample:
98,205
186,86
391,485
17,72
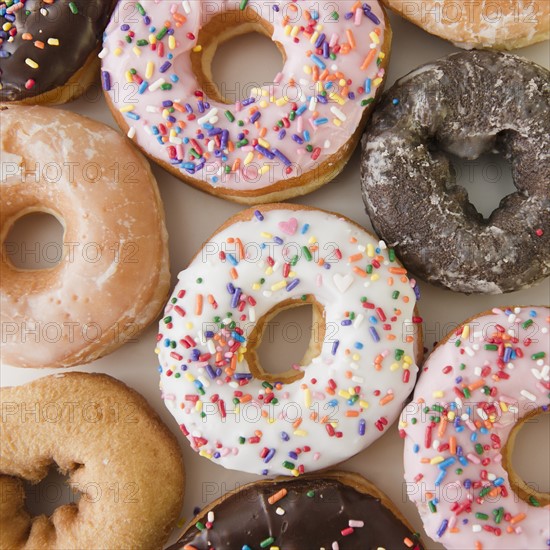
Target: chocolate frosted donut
339,510
466,104
46,45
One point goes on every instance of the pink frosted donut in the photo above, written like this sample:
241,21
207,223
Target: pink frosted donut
285,138
478,387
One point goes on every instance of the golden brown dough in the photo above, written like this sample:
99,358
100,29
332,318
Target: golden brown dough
117,452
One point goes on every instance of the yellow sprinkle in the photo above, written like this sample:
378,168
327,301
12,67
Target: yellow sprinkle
370,251
307,398
381,55
342,82
394,366
171,42
189,377
6,26
118,51
249,158
356,357
269,271
278,286
149,69
198,405
288,30
374,38
205,453
295,30
375,277
451,415
137,51
53,42
31,63
336,122
127,108
344,393
436,460
437,393
197,49
256,286
307,69
301,433
339,99
263,103
264,169
264,143
189,325
266,235
128,76
314,37
152,39
504,407
364,404
408,359
377,81
281,102
295,472
465,332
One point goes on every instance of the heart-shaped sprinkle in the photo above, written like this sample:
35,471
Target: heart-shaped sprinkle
342,282
289,227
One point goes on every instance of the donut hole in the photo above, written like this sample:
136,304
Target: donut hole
35,241
51,492
526,458
249,59
286,338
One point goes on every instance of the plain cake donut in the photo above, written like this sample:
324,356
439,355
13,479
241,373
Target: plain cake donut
118,455
360,365
281,139
467,104
114,275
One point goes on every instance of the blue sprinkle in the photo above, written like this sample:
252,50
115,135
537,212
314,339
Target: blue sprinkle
292,285
362,426
285,436
335,347
374,334
259,215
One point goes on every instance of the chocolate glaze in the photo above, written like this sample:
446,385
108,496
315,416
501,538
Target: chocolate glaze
312,522
78,34
467,104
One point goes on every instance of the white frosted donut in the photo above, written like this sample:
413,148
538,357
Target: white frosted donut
358,369
281,139
113,276
476,389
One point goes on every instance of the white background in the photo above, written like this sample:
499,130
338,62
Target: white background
192,217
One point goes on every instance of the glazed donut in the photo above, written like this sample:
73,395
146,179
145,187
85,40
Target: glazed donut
118,455
281,140
360,365
48,49
503,25
349,512
466,104
114,276
479,385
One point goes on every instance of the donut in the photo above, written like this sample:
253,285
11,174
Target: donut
281,139
502,25
116,451
48,49
113,277
360,365
467,104
477,388
349,512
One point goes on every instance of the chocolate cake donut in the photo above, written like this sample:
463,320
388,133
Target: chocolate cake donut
48,48
340,510
465,104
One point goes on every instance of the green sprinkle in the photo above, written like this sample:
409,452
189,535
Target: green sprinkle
527,323
437,408
431,504
166,86
267,385
335,15
161,33
199,280
265,543
484,491
534,501
200,526
140,9
539,355
480,515
395,294
310,494
240,123
142,42
414,421
241,439
498,513
457,343
491,347
242,143
459,471
229,116
466,392
243,4
307,253
168,319
391,254
74,8
366,102
479,448
288,465
177,375
303,297
194,153
462,366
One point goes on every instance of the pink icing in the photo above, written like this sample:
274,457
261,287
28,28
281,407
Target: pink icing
478,385
318,118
